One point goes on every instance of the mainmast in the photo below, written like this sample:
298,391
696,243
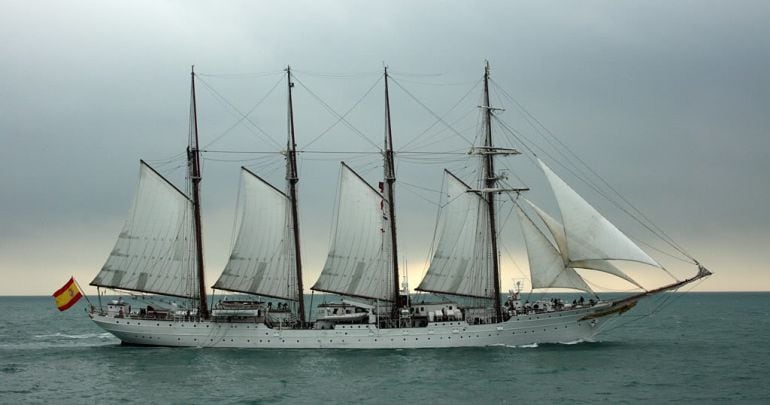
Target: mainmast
292,179
490,180
194,168
390,179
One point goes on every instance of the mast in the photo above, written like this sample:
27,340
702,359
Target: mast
390,179
194,167
292,179
490,181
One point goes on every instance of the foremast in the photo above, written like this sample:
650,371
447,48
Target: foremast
390,179
490,182
292,179
194,173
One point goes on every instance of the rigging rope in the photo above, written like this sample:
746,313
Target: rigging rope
234,108
414,139
338,75
542,129
240,120
585,180
431,111
241,75
335,113
342,117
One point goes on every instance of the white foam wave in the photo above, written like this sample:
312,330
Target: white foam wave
65,336
527,346
536,345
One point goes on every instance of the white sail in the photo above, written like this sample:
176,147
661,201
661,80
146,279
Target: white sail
559,235
556,229
546,265
155,250
262,261
461,263
589,235
357,264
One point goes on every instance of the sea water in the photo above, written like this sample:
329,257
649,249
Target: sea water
694,347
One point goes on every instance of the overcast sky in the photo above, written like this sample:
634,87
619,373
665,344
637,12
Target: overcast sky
667,100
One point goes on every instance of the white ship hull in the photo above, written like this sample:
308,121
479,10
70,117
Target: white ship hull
547,327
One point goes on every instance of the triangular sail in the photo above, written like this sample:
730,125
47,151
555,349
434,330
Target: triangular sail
589,235
546,264
460,263
262,260
557,231
357,264
155,250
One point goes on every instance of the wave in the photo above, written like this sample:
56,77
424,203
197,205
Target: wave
527,346
536,345
65,336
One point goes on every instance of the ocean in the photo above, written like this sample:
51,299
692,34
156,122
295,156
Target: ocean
680,347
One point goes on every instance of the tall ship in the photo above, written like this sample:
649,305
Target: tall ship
159,252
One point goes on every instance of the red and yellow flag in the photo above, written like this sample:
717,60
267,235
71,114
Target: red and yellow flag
68,295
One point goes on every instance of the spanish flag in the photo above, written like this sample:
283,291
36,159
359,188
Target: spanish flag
68,295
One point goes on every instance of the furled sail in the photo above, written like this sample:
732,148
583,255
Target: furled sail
546,264
461,258
357,264
262,261
557,231
155,250
590,236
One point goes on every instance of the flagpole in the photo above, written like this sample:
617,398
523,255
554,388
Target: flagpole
82,291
